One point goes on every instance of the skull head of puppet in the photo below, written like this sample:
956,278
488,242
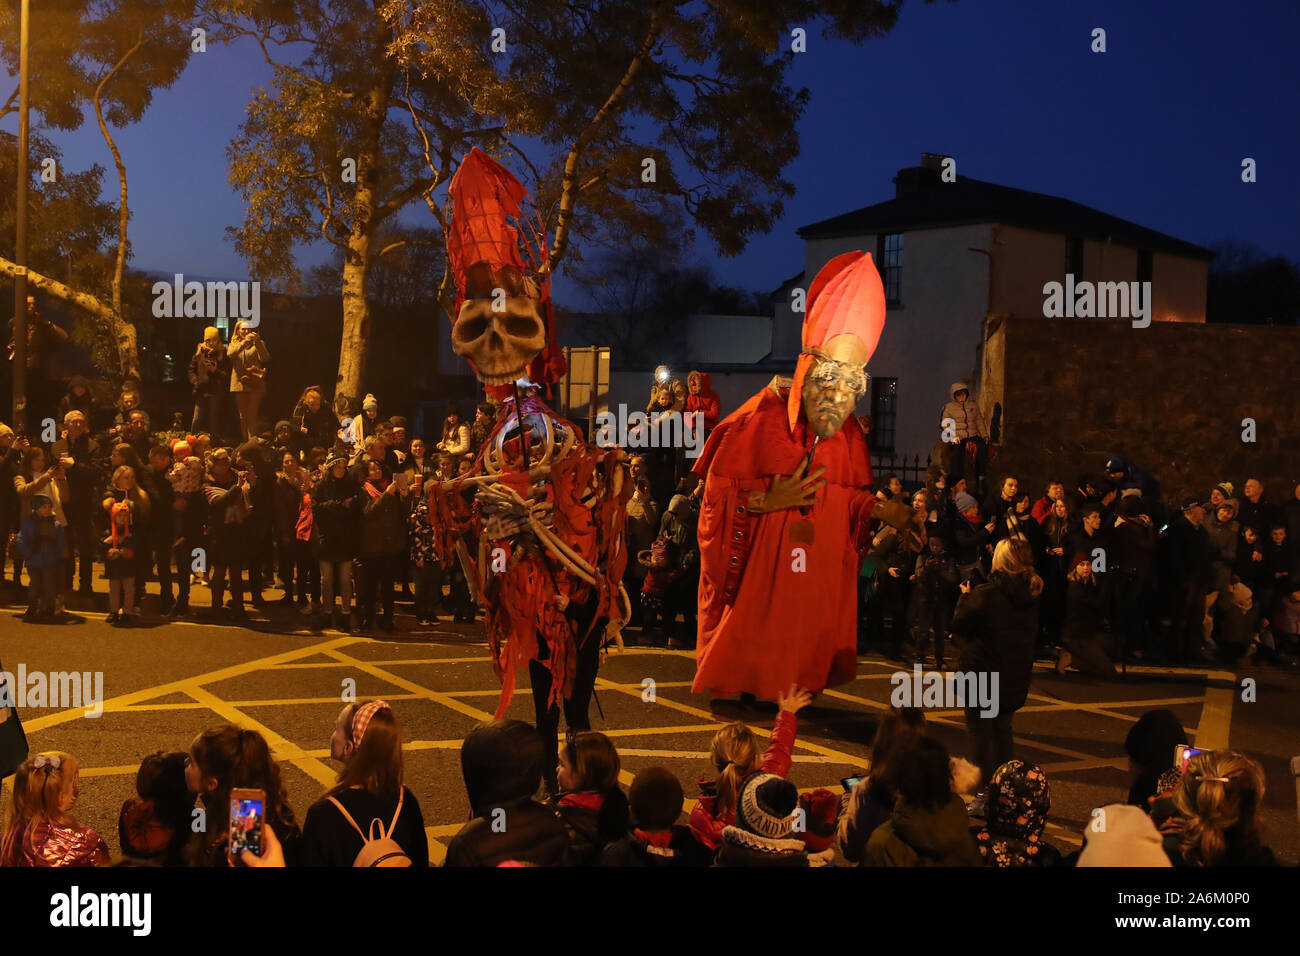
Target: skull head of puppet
834,383
499,327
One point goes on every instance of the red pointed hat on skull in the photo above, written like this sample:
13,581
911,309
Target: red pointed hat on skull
494,244
846,298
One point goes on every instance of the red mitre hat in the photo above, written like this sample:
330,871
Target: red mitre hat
493,243
846,298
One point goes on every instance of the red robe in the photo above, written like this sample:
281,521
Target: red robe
771,615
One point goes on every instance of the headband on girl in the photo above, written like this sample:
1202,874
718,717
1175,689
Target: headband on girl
361,719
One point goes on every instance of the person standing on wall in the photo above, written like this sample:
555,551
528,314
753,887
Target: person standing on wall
208,371
248,357
966,438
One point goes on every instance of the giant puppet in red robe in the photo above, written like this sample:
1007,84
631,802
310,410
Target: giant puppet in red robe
779,531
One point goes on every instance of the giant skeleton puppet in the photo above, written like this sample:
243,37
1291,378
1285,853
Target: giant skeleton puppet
548,510
786,505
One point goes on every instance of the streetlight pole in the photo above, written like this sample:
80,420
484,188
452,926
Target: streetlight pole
20,244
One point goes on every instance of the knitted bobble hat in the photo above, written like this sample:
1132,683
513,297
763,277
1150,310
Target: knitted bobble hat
766,806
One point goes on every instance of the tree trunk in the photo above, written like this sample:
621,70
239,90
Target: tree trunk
122,332
356,317
356,262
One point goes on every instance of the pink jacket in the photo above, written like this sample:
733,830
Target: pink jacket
58,844
705,826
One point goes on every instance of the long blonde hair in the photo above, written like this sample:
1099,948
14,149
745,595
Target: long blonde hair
1220,791
1014,556
38,795
735,755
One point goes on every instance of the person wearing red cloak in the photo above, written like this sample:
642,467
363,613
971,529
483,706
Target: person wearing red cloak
786,505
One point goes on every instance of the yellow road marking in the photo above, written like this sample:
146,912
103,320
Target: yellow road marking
184,684
446,700
282,748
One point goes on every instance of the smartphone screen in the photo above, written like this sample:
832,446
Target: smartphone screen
247,816
850,782
1183,755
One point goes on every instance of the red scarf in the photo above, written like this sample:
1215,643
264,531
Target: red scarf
659,838
586,800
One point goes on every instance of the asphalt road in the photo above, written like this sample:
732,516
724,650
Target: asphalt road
164,682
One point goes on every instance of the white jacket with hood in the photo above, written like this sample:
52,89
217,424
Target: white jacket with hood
968,422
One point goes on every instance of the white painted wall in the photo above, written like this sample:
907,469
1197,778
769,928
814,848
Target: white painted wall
930,338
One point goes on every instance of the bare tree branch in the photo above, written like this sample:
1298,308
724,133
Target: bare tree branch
568,194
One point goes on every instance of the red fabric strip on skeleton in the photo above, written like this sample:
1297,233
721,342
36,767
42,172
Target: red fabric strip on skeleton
488,224
771,616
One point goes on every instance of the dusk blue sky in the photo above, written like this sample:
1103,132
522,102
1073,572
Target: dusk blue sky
1154,130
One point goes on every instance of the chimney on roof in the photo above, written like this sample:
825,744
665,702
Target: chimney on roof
915,179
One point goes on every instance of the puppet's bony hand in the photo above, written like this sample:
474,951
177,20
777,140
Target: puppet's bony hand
796,491
896,514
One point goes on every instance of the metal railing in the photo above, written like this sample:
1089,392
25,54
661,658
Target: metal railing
911,471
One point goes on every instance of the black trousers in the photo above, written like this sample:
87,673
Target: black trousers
576,704
183,553
377,575
991,741
83,542
162,558
259,538
428,587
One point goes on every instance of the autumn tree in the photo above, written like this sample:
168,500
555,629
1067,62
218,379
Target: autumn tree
106,58
615,113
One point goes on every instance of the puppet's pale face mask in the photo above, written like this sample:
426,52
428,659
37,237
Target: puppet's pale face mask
834,384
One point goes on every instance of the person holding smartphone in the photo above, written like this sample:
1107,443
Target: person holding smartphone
221,761
248,356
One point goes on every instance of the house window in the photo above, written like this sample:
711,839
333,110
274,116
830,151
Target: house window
889,260
1146,267
1074,257
884,414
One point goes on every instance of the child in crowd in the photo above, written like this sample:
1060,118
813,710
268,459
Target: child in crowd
591,800
929,825
763,834
656,840
734,753
501,762
186,472
654,590
1237,624
1217,813
934,593
872,800
42,830
120,565
1128,839
41,542
367,740
223,759
154,825
1019,801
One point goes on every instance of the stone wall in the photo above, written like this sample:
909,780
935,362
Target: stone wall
1170,397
